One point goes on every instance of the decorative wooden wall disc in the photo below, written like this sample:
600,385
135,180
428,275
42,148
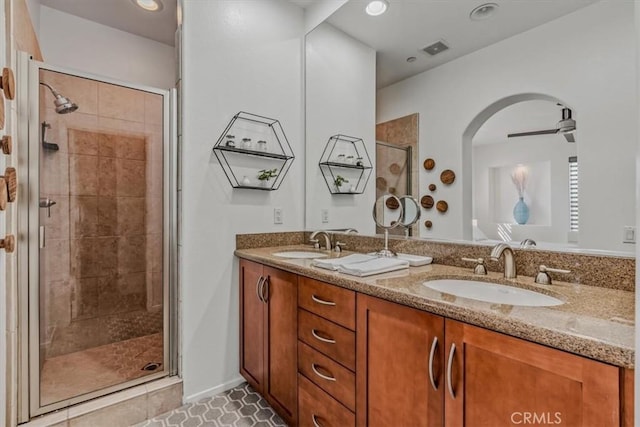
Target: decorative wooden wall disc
8,243
447,176
381,183
7,144
12,183
4,195
432,187
442,206
428,224
395,169
427,202
429,164
392,203
8,83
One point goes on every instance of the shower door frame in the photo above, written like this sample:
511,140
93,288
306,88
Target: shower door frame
28,248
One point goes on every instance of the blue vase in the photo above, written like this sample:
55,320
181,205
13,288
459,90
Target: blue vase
521,212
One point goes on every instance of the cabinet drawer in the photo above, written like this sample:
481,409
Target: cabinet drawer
328,338
331,302
330,376
317,408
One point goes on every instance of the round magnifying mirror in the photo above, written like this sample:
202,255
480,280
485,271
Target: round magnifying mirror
411,211
388,211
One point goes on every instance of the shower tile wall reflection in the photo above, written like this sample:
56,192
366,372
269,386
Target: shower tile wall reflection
391,164
101,269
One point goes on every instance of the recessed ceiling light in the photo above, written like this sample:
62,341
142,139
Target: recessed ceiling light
377,7
484,11
411,59
150,5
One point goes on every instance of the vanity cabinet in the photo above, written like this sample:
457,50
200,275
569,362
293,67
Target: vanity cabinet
501,380
419,369
400,365
268,335
327,356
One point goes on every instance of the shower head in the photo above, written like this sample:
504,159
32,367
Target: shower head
62,103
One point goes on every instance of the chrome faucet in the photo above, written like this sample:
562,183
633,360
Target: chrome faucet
509,260
527,243
316,242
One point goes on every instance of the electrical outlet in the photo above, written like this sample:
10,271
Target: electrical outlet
324,213
628,234
277,215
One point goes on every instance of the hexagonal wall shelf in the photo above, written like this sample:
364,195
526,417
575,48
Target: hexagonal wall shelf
345,165
254,152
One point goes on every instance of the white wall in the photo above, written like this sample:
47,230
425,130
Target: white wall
586,59
72,42
340,93
318,11
237,55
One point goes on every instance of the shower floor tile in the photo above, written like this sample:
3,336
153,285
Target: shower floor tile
240,406
89,370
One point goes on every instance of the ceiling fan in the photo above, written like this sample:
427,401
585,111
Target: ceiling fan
566,127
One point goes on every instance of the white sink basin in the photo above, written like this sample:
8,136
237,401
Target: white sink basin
490,292
300,254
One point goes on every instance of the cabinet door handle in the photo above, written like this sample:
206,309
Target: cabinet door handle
434,345
265,289
315,421
321,301
318,337
452,352
259,288
324,377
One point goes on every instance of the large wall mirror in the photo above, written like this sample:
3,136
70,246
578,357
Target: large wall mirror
523,100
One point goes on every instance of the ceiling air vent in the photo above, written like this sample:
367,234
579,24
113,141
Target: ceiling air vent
436,48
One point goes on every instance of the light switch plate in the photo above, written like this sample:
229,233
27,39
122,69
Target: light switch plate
277,215
324,213
628,234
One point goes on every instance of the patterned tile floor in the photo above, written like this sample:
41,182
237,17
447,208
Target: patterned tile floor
239,407
84,371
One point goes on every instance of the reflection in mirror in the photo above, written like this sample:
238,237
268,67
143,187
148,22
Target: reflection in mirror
396,160
528,53
411,213
388,212
525,187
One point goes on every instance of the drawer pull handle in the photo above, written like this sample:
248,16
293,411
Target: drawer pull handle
318,337
324,377
259,288
452,352
315,421
434,345
265,289
321,301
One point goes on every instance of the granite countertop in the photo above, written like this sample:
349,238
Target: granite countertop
595,322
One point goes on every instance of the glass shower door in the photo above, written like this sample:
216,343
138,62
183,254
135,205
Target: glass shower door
101,236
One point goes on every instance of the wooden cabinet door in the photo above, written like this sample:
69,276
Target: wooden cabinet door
281,353
498,380
252,329
394,345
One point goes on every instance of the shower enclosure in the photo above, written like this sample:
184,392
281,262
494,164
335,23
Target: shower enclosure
393,175
95,264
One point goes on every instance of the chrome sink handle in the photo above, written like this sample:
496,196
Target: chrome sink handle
543,277
480,267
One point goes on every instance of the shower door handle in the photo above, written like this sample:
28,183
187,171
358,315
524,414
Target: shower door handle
41,237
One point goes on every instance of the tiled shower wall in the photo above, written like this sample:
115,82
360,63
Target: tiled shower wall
102,263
